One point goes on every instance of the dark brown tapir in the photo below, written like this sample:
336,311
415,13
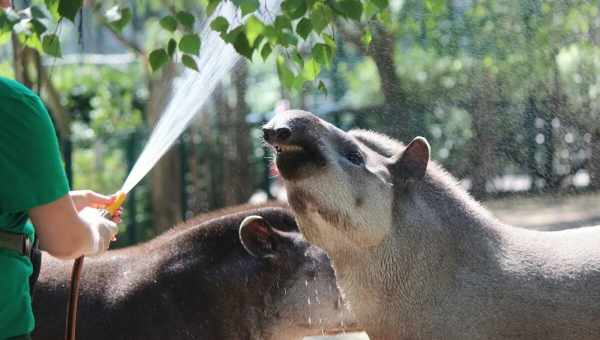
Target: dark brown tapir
230,275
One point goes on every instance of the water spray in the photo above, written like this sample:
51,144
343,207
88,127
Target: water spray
191,91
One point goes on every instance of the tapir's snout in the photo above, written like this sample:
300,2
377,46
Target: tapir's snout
295,137
289,126
276,135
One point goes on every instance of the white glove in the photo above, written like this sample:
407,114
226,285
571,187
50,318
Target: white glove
102,231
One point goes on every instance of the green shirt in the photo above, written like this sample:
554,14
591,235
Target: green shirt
31,174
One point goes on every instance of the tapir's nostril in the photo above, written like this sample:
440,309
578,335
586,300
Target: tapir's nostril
268,134
283,134
278,135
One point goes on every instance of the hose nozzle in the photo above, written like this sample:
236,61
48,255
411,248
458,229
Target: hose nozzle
114,206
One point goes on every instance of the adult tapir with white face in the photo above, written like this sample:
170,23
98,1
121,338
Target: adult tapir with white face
415,256
244,273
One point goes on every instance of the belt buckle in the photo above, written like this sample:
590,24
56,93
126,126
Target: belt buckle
27,245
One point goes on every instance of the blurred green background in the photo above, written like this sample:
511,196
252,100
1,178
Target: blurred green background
505,91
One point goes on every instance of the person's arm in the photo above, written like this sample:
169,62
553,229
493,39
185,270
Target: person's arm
67,234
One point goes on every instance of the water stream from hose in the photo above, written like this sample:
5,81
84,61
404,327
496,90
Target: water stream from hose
192,89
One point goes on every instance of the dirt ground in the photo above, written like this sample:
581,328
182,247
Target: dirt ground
541,213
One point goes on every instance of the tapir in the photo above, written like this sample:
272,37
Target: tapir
244,273
415,256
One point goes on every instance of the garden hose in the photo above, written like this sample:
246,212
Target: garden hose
73,304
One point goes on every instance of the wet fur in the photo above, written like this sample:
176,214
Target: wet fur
445,268
195,282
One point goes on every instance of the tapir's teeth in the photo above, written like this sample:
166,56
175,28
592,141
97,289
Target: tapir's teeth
289,148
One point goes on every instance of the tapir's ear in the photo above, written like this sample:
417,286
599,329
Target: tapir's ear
258,236
412,163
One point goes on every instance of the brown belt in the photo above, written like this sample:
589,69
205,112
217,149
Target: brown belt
17,242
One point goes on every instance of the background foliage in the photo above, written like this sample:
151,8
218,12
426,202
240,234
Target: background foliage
506,91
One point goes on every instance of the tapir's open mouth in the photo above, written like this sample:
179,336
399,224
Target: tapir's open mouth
298,160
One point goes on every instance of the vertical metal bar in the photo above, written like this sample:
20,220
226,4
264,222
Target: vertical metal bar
130,148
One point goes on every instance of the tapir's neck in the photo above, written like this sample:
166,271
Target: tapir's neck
437,203
437,230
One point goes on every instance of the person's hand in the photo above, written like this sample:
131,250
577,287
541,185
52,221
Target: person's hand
102,231
5,3
88,198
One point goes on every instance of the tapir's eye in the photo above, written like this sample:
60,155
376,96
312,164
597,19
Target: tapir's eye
355,157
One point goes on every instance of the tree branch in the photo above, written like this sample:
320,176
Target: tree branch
130,44
61,117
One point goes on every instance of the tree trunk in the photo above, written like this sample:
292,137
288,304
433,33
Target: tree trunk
396,110
166,175
20,61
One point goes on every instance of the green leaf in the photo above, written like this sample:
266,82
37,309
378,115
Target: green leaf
190,43
320,17
4,37
366,37
266,51
298,83
352,9
254,28
219,24
297,58
257,42
271,34
282,23
169,23
69,8
185,19
323,54
211,6
158,58
286,76
294,8
37,12
329,40
38,27
382,4
230,36
52,6
322,87
435,6
304,28
286,39
51,45
370,10
171,47
118,17
32,41
189,62
247,6
242,45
